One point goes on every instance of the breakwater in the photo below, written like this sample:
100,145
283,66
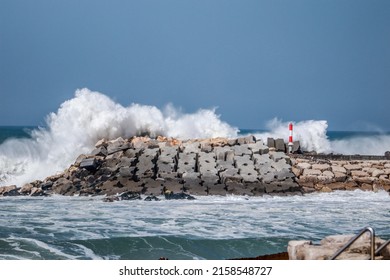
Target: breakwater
129,168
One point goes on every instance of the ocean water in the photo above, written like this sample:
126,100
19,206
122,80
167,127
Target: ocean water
206,228
213,228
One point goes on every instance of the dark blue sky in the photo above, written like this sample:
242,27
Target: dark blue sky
254,60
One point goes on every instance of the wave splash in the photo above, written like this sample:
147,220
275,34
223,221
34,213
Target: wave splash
90,116
81,121
313,136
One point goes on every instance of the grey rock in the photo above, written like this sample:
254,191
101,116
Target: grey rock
101,151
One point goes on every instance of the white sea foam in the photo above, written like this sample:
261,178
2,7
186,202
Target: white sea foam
81,121
364,145
311,134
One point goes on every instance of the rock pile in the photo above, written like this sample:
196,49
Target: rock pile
140,165
128,168
327,175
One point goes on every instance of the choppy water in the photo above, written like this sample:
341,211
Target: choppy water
206,228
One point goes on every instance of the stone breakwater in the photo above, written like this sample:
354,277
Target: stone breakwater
125,169
325,175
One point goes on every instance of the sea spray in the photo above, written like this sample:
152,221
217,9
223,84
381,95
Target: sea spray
81,121
363,145
311,134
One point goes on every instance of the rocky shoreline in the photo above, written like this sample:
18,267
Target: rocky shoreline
141,167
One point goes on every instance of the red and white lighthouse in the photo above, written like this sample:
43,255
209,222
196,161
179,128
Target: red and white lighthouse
290,138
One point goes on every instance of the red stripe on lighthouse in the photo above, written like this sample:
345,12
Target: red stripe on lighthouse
290,138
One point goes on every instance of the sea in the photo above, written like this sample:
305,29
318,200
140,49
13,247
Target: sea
207,228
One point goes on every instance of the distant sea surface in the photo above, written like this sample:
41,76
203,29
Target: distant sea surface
7,132
206,228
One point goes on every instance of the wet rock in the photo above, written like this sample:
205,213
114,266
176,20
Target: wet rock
46,185
90,164
9,191
171,195
123,196
61,186
152,198
219,189
26,189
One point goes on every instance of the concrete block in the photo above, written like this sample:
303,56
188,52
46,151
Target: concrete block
173,185
169,151
280,165
237,188
100,151
276,156
191,148
258,148
229,156
223,165
90,164
267,178
219,189
220,153
132,153
271,142
241,150
266,168
280,145
196,189
206,147
127,171
125,161
152,187
243,160
261,159
283,174
246,140
232,142
296,147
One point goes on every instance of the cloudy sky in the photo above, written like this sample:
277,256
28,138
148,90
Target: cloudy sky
253,60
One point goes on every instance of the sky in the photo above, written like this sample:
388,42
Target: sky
252,60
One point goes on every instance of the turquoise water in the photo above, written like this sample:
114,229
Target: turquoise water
7,132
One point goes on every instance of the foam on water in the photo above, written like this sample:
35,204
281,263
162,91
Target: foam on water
207,217
80,227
